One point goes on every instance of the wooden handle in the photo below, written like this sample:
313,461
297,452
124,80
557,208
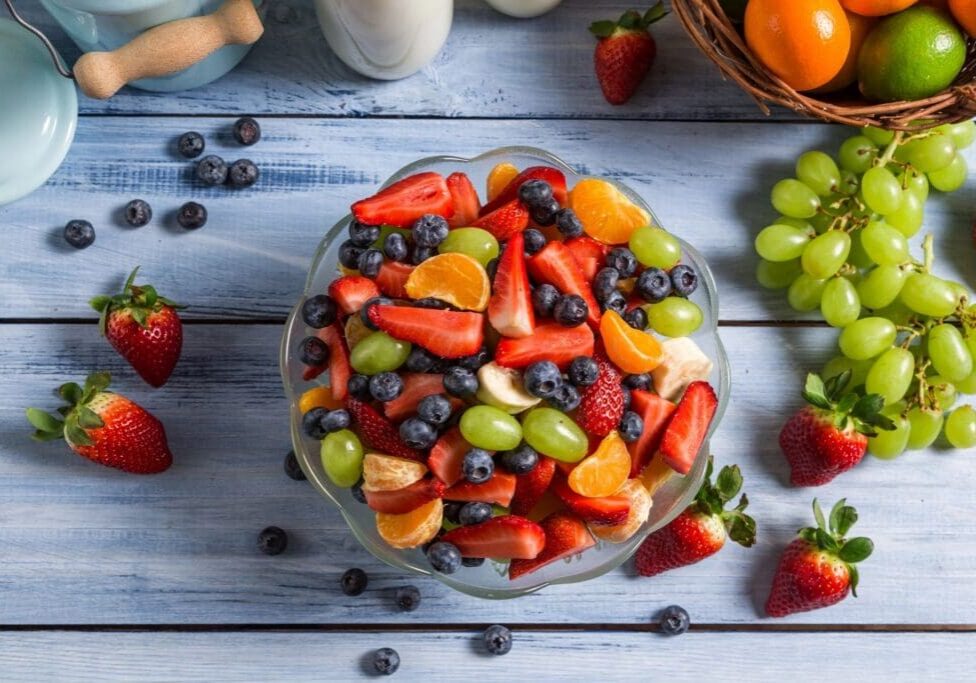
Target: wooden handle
168,48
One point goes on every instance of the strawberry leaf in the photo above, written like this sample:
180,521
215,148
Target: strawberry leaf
47,436
855,577
139,315
826,542
630,19
729,482
815,386
70,392
867,406
819,516
100,302
834,512
845,405
603,29
742,529
149,295
846,518
856,550
76,435
655,13
45,422
130,280
96,383
836,384
89,419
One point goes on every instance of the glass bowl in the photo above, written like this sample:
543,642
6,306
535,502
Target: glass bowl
490,579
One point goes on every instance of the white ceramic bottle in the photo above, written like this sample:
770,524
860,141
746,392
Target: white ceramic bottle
385,39
523,9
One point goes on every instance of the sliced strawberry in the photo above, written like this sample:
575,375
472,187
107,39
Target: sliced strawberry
686,432
531,486
553,176
510,307
556,265
601,403
467,206
416,386
589,254
505,221
405,201
448,334
566,535
504,538
379,433
406,499
447,456
611,510
350,292
392,279
499,490
551,341
339,368
656,413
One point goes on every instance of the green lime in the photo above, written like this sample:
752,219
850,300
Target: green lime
911,55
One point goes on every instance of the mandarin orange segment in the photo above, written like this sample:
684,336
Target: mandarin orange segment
640,509
455,278
411,529
633,351
606,212
499,177
389,473
317,397
655,474
603,473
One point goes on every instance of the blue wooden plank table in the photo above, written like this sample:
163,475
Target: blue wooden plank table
108,576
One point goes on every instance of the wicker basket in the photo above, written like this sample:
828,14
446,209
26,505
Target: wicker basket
716,36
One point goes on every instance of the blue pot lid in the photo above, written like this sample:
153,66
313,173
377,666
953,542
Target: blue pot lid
38,113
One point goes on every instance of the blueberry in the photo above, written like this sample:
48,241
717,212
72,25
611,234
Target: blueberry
583,371
368,304
79,234
546,213
475,360
292,468
498,640
313,351
431,302
369,262
212,170
444,557
335,420
358,387
674,621
566,398
534,241
615,302
684,280
408,598
631,426
247,131
472,561
478,467
385,386
319,311
605,283
138,213
642,381
570,310
474,513
357,492
460,382
636,318
452,511
544,299
491,268
654,285
349,254
418,434
627,397
435,409
534,193
568,223
353,581
542,378
312,423
362,235
190,145
395,247
242,173
623,261
386,661
521,460
420,360
272,540
421,254
429,231
192,216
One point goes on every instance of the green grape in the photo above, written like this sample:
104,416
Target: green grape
819,172
881,190
777,275
943,391
857,154
655,248
479,244
891,374
952,177
857,256
821,222
916,181
781,242
805,293
378,352
850,183
878,136
342,457
889,444
926,294
896,312
959,291
960,427
963,134
925,426
968,385
490,428
883,244
881,286
970,339
554,433
867,337
948,352
910,214
792,198
930,154
840,305
825,254
674,316
799,223
839,364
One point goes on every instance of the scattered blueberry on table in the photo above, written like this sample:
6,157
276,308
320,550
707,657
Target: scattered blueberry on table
292,468
498,639
138,213
79,234
272,540
191,145
353,581
247,131
242,173
212,170
408,598
674,621
192,216
386,661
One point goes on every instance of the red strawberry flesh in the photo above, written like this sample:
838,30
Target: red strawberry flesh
392,279
448,334
510,306
498,490
405,201
611,510
467,207
404,500
655,412
507,537
350,292
379,433
553,176
531,486
505,221
447,456
566,535
551,342
601,403
686,432
556,265
416,387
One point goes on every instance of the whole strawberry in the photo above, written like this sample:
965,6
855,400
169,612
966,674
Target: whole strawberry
818,567
144,328
701,529
830,435
625,52
105,427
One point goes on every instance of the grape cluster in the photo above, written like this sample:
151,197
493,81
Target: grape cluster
841,245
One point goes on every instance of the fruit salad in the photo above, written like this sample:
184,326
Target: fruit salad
509,377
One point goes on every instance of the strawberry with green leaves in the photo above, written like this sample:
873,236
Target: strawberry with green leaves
105,427
144,328
819,568
625,52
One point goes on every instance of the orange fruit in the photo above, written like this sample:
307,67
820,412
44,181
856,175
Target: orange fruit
655,474
640,509
804,42
499,177
603,473
317,397
965,13
389,473
876,8
860,28
606,212
455,278
633,351
411,529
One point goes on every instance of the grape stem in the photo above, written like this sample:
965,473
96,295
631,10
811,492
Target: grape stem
928,250
890,150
